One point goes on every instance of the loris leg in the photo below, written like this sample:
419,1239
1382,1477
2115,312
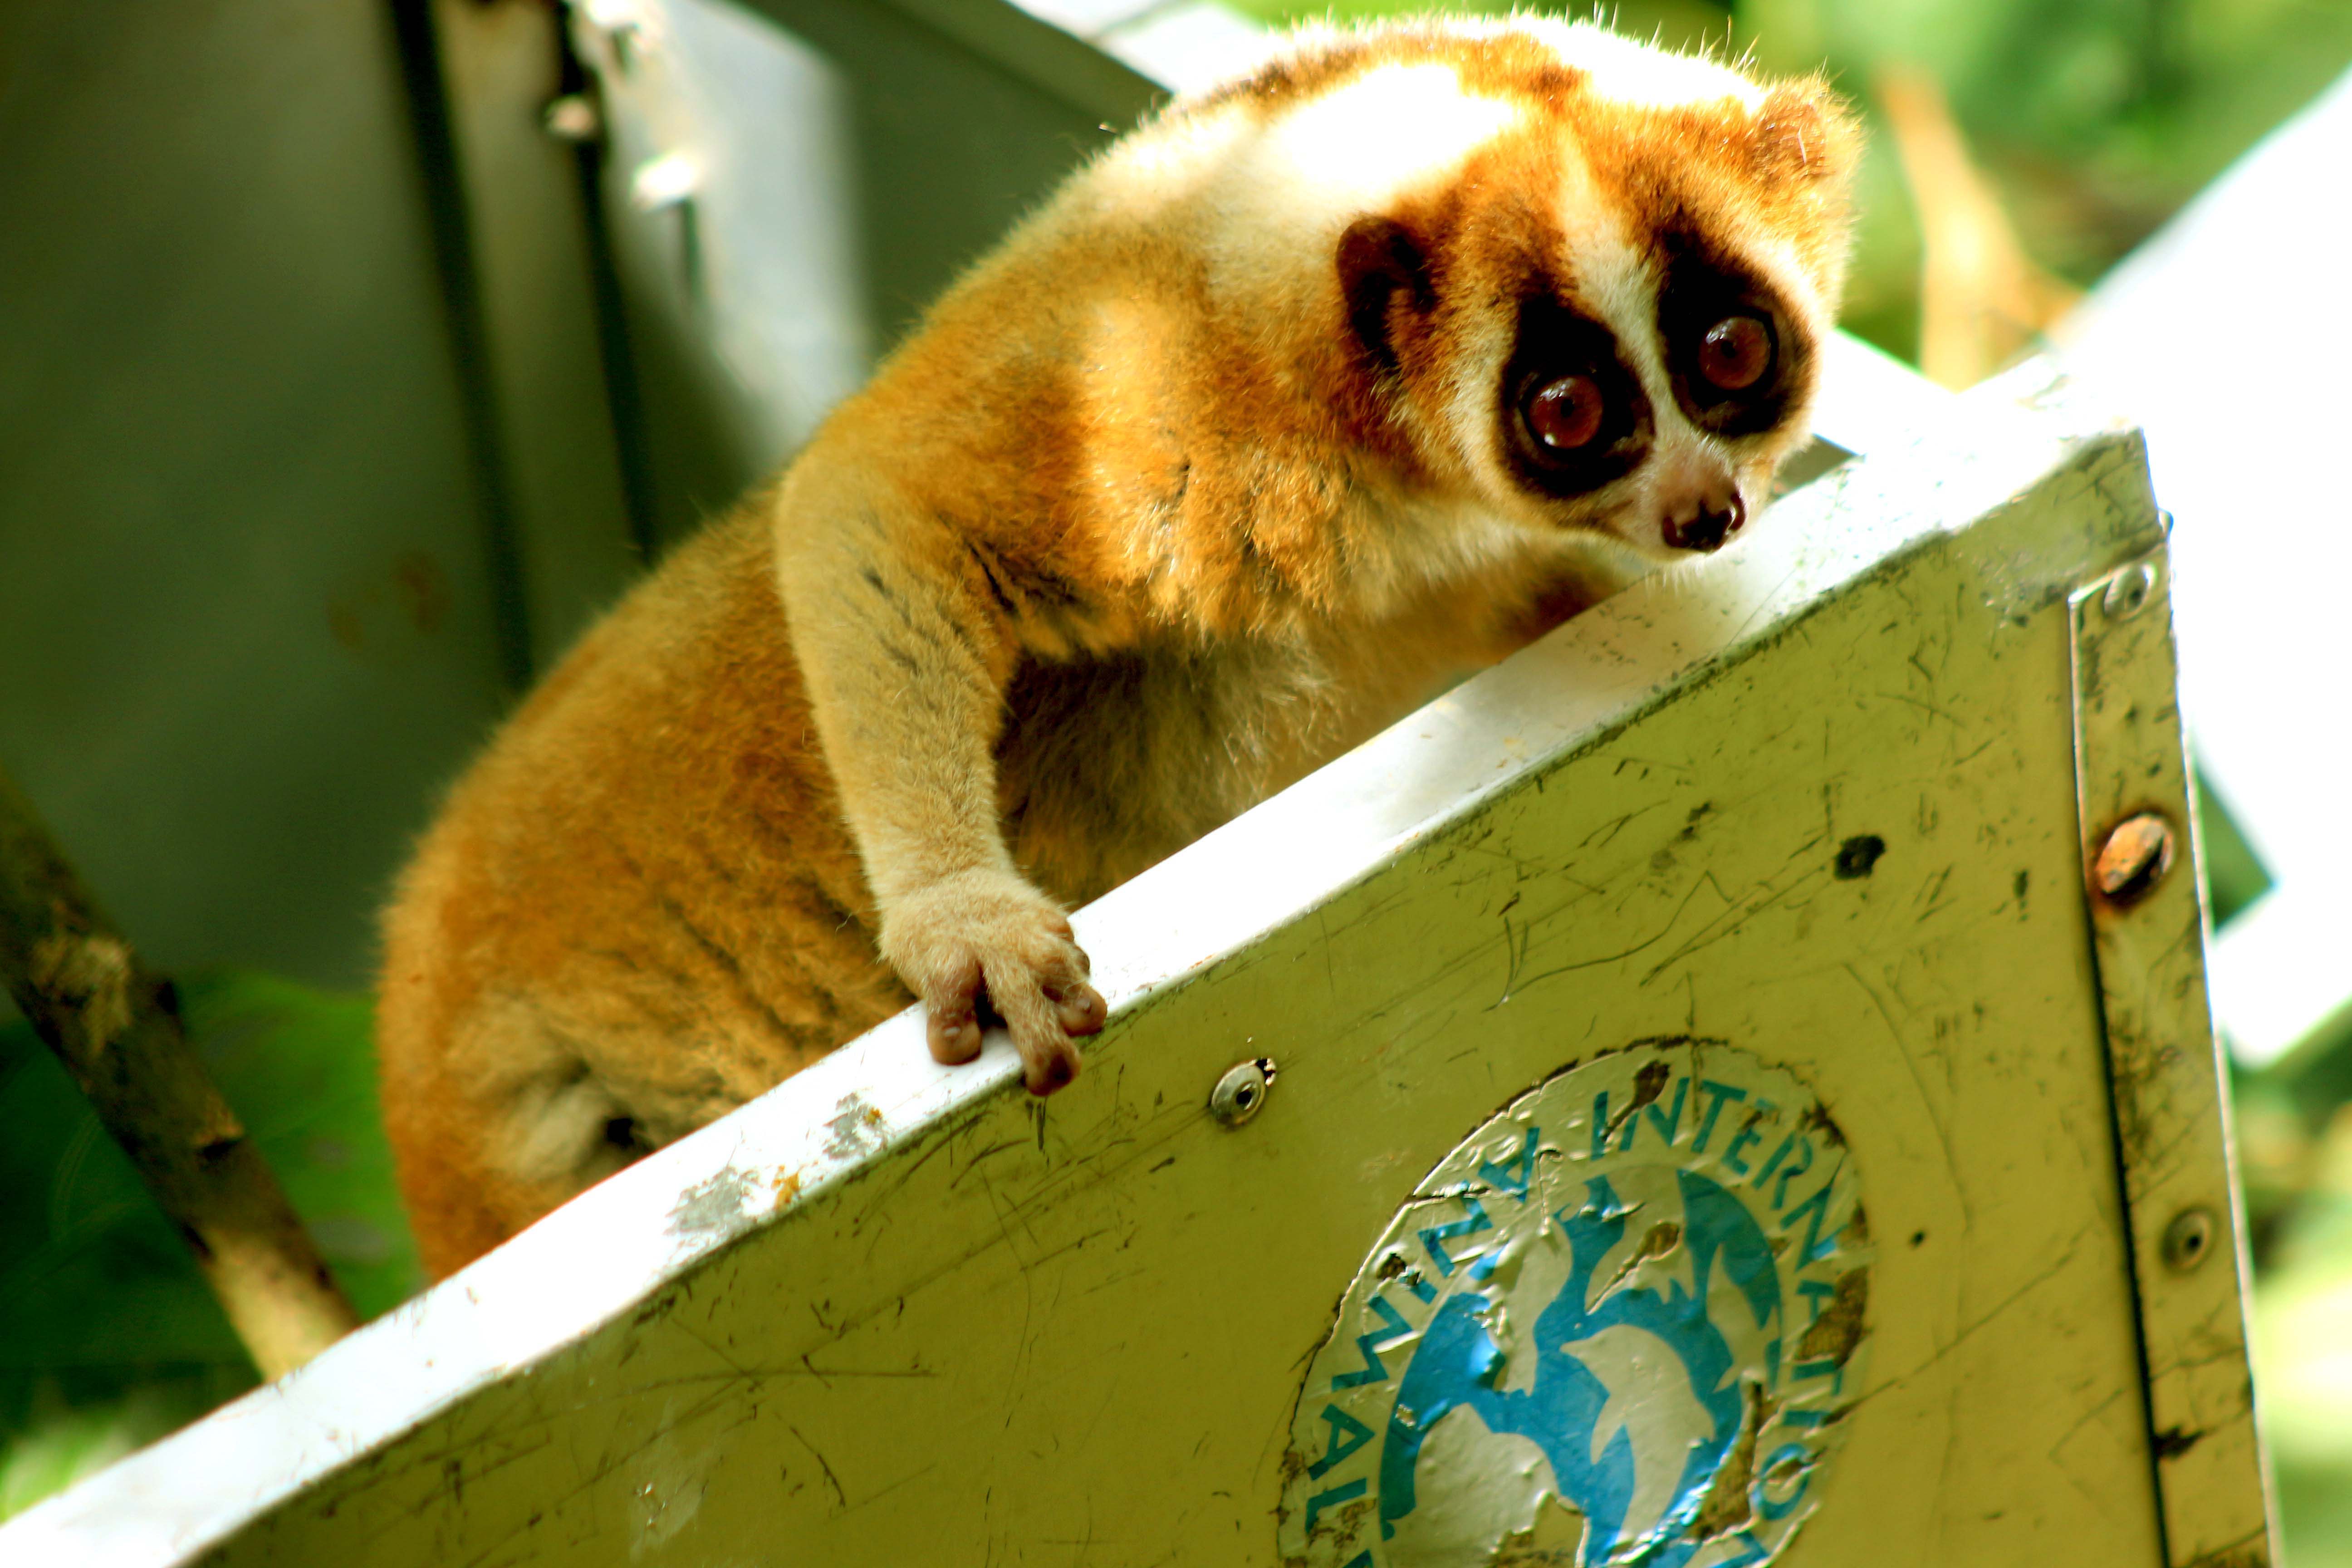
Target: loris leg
494,1131
906,655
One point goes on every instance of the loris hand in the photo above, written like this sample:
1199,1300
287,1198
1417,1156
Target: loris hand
987,939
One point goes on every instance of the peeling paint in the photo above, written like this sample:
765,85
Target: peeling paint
1839,1329
716,1202
855,1129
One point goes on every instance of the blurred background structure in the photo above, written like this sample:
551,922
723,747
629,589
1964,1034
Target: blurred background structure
361,349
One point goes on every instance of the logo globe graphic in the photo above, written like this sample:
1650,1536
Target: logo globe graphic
1595,1339
1579,1409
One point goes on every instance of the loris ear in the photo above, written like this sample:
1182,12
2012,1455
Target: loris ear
1805,130
1380,267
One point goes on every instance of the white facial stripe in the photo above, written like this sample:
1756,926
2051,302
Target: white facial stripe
1617,283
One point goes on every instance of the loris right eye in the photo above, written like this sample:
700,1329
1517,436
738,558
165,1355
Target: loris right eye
1736,354
1569,416
1565,414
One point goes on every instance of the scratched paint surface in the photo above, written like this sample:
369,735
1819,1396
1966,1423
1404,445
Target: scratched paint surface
1615,1324
1834,823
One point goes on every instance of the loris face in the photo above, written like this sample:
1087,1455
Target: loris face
1607,317
1658,423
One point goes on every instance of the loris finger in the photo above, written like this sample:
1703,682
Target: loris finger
1053,1069
1048,1059
952,1008
1079,1007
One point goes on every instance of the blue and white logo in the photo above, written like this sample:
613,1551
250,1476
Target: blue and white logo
1617,1326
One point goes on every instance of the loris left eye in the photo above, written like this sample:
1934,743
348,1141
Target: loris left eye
1736,354
1566,414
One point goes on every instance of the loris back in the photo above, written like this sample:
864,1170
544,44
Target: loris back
1320,390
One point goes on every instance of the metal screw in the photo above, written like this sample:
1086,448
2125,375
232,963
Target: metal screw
2129,591
2189,1239
1242,1092
2139,851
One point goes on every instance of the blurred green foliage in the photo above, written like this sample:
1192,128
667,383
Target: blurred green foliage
2234,875
109,1337
2299,1185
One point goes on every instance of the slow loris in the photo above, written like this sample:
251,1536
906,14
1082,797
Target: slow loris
1317,391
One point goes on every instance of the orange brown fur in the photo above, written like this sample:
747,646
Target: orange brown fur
1162,507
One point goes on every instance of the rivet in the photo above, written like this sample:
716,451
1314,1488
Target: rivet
2189,1239
2129,591
1241,1093
2139,851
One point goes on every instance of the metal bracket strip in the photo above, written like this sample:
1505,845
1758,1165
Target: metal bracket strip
2169,1089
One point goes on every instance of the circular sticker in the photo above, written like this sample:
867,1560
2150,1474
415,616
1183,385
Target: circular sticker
1619,1324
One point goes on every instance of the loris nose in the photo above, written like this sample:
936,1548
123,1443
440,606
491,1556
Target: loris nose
1705,516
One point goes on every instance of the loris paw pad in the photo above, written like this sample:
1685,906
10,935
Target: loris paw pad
981,947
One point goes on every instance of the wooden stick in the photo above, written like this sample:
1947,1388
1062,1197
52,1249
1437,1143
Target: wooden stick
117,1029
1983,299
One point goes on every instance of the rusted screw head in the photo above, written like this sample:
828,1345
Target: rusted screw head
2134,859
2189,1239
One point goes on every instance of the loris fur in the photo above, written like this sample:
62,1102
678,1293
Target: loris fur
1324,387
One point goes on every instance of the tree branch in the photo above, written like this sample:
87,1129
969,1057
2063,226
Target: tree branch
117,1029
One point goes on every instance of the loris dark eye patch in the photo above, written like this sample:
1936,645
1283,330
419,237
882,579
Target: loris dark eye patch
1730,353
1573,418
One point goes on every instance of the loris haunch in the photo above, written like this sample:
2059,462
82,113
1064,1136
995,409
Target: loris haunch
1313,393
